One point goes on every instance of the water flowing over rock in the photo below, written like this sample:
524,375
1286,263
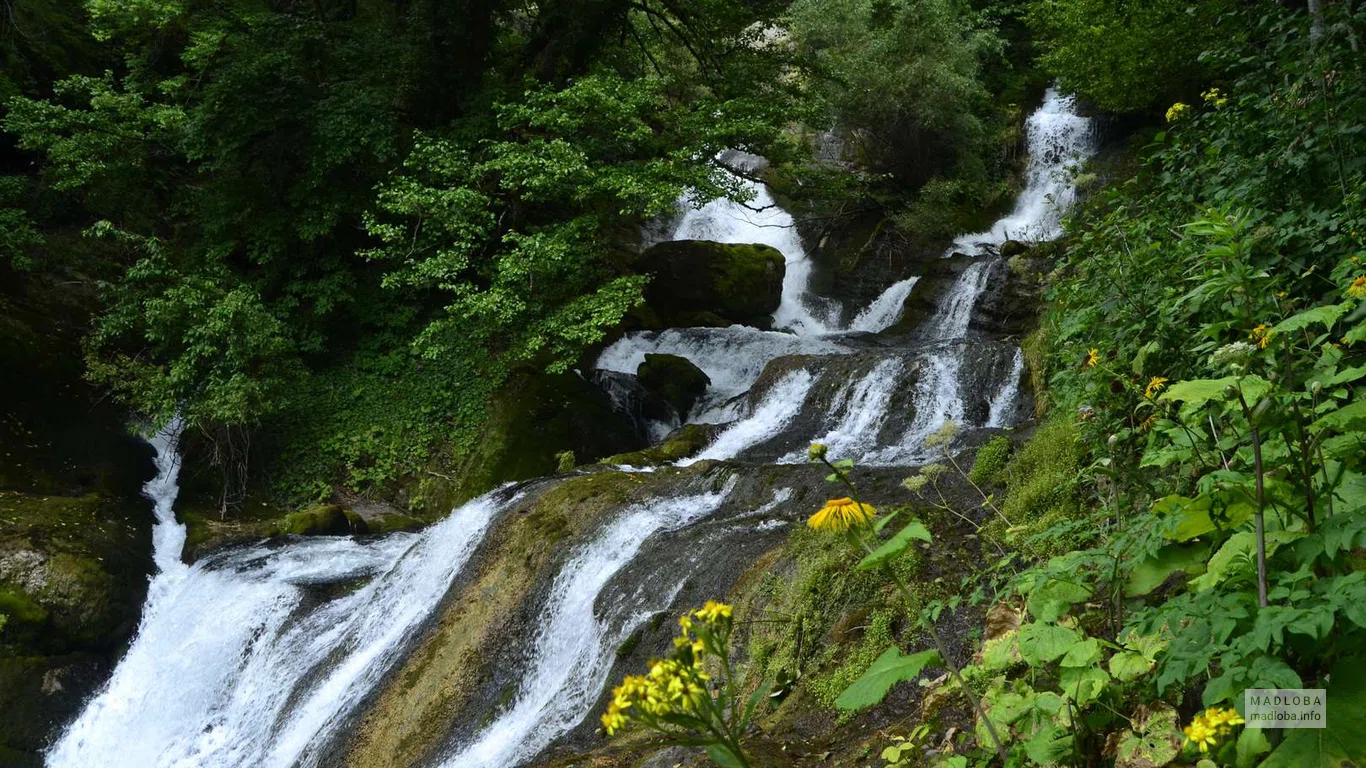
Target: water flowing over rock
489,638
1059,142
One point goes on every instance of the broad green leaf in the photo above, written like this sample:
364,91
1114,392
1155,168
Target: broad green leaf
1054,597
1153,741
1128,665
1343,741
1198,391
1351,416
1083,654
1325,315
1241,548
1151,572
1001,653
1041,643
895,545
1049,745
889,669
723,757
1252,744
1083,685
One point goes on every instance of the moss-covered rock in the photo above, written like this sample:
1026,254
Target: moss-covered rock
323,520
674,379
680,444
73,574
735,283
391,522
535,417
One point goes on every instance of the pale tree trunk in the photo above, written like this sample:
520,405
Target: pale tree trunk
1316,10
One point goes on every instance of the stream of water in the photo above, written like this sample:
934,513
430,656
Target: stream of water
260,655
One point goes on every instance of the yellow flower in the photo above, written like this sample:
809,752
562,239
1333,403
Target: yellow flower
1155,385
713,612
1177,112
1147,423
1201,734
1223,719
817,451
839,515
1092,358
1214,97
1262,335
612,719
1357,289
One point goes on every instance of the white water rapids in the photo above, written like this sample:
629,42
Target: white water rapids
259,656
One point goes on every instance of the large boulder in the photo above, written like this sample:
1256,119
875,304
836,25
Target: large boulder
533,419
698,282
674,379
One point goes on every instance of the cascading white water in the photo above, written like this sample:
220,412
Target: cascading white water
574,647
886,310
937,402
731,357
1059,142
1003,404
232,666
779,406
954,315
863,408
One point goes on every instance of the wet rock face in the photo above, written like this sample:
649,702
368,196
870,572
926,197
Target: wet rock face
682,443
73,576
674,379
698,282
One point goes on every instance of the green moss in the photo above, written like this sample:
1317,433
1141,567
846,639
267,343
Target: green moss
322,520
988,468
1041,487
675,379
393,522
683,443
727,283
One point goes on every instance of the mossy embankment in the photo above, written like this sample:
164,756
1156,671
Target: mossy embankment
75,534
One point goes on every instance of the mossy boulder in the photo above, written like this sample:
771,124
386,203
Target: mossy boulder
674,379
533,419
1012,248
323,520
73,575
391,522
680,444
713,283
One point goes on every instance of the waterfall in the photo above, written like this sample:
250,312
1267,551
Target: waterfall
954,315
573,650
731,357
233,665
1059,141
886,310
262,654
863,406
779,406
1005,402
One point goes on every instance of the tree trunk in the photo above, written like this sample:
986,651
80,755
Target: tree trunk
1316,28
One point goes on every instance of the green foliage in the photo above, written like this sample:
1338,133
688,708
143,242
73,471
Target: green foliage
1041,488
906,80
1126,56
336,227
1221,290
988,468
18,233
889,669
